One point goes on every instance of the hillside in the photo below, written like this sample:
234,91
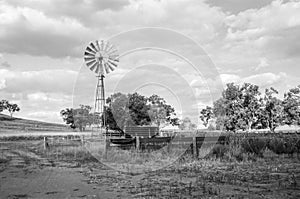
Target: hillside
8,124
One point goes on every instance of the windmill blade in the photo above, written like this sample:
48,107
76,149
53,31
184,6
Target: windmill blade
86,53
112,63
102,45
114,59
89,49
98,68
106,68
111,50
89,58
97,45
110,67
89,64
94,66
93,46
106,47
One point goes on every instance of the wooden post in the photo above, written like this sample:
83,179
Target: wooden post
195,148
82,140
137,143
46,145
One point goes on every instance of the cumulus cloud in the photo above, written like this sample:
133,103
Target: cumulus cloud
267,28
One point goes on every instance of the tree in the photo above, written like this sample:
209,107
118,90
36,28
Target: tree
135,109
238,108
206,114
138,109
67,115
117,112
2,108
82,117
186,124
157,114
291,106
10,107
168,110
78,118
272,115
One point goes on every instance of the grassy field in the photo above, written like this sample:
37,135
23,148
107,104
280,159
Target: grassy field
12,125
68,169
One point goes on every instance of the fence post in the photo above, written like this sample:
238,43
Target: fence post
46,145
82,140
195,148
137,143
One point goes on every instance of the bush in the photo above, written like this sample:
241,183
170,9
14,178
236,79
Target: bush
277,145
254,145
219,150
287,145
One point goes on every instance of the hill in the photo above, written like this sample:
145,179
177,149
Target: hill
8,124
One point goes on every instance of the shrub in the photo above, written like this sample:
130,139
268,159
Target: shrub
277,145
219,150
254,145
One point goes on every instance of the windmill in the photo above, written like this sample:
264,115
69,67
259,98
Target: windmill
101,58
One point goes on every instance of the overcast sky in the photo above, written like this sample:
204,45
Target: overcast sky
42,43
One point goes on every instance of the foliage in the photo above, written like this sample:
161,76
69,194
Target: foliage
273,110
291,106
78,118
67,115
288,145
136,109
10,107
206,114
244,108
254,145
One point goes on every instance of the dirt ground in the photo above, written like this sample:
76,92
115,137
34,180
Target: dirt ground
25,172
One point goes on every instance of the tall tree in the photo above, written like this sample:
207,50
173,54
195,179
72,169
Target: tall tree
272,115
238,108
291,106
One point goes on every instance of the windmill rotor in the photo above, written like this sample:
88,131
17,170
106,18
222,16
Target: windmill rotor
101,57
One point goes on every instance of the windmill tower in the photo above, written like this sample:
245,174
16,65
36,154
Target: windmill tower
101,58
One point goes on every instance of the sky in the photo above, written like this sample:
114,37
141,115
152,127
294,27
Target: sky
197,46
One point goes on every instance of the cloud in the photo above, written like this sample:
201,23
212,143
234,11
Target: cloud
266,79
54,81
2,84
273,29
262,79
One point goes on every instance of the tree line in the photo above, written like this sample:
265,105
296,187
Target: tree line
123,110
244,107
10,107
